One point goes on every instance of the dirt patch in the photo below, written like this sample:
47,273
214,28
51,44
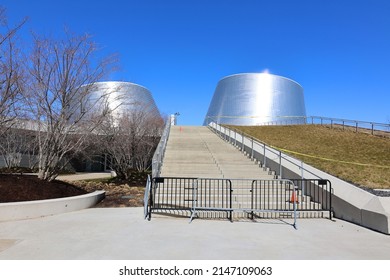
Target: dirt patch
16,188
118,194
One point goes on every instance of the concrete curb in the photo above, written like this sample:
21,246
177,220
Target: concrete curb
12,211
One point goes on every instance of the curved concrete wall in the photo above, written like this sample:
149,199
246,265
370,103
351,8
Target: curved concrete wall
40,208
256,99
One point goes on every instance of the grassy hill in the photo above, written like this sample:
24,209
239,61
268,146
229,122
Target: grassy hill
359,158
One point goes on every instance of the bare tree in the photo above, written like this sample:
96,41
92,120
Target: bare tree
62,74
11,71
130,140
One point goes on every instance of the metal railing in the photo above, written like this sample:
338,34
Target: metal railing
374,128
158,155
148,189
260,151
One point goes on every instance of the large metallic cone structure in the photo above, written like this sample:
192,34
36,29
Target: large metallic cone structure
125,97
257,99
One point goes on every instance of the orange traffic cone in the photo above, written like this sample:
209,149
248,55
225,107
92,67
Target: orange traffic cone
294,197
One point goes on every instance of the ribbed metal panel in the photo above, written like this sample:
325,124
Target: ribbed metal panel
257,99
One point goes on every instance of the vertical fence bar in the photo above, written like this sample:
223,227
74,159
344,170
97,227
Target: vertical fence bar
252,199
230,200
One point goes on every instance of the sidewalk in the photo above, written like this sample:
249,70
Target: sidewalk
122,233
84,176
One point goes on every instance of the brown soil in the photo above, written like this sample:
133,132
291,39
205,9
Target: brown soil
15,188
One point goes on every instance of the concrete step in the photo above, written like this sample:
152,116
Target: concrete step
189,147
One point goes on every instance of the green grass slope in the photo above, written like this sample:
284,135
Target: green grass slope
359,158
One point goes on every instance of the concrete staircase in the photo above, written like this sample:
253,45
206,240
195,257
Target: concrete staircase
195,151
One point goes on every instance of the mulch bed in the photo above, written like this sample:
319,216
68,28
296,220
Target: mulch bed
16,188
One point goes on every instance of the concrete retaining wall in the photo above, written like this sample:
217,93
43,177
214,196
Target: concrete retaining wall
40,208
349,202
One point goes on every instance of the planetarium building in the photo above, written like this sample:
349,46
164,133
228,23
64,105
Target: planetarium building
257,99
124,97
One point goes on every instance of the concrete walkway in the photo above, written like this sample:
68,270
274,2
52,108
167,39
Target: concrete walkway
85,176
122,233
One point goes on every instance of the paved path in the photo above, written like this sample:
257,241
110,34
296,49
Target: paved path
122,233
85,176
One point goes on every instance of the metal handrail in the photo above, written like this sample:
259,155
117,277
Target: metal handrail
158,155
157,160
266,147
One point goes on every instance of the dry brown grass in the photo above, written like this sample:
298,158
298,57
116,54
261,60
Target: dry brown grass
335,144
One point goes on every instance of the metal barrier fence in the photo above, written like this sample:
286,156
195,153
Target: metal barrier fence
191,194
314,194
220,198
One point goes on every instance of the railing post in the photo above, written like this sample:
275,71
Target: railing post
280,164
252,149
295,208
372,128
265,158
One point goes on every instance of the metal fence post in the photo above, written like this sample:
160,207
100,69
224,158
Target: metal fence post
280,164
252,150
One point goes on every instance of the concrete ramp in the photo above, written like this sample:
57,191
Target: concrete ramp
195,151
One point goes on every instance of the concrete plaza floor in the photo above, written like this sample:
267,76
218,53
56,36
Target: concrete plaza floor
122,233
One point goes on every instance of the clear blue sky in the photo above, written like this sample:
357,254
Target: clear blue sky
339,51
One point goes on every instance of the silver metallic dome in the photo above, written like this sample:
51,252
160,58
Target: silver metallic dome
257,99
125,97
